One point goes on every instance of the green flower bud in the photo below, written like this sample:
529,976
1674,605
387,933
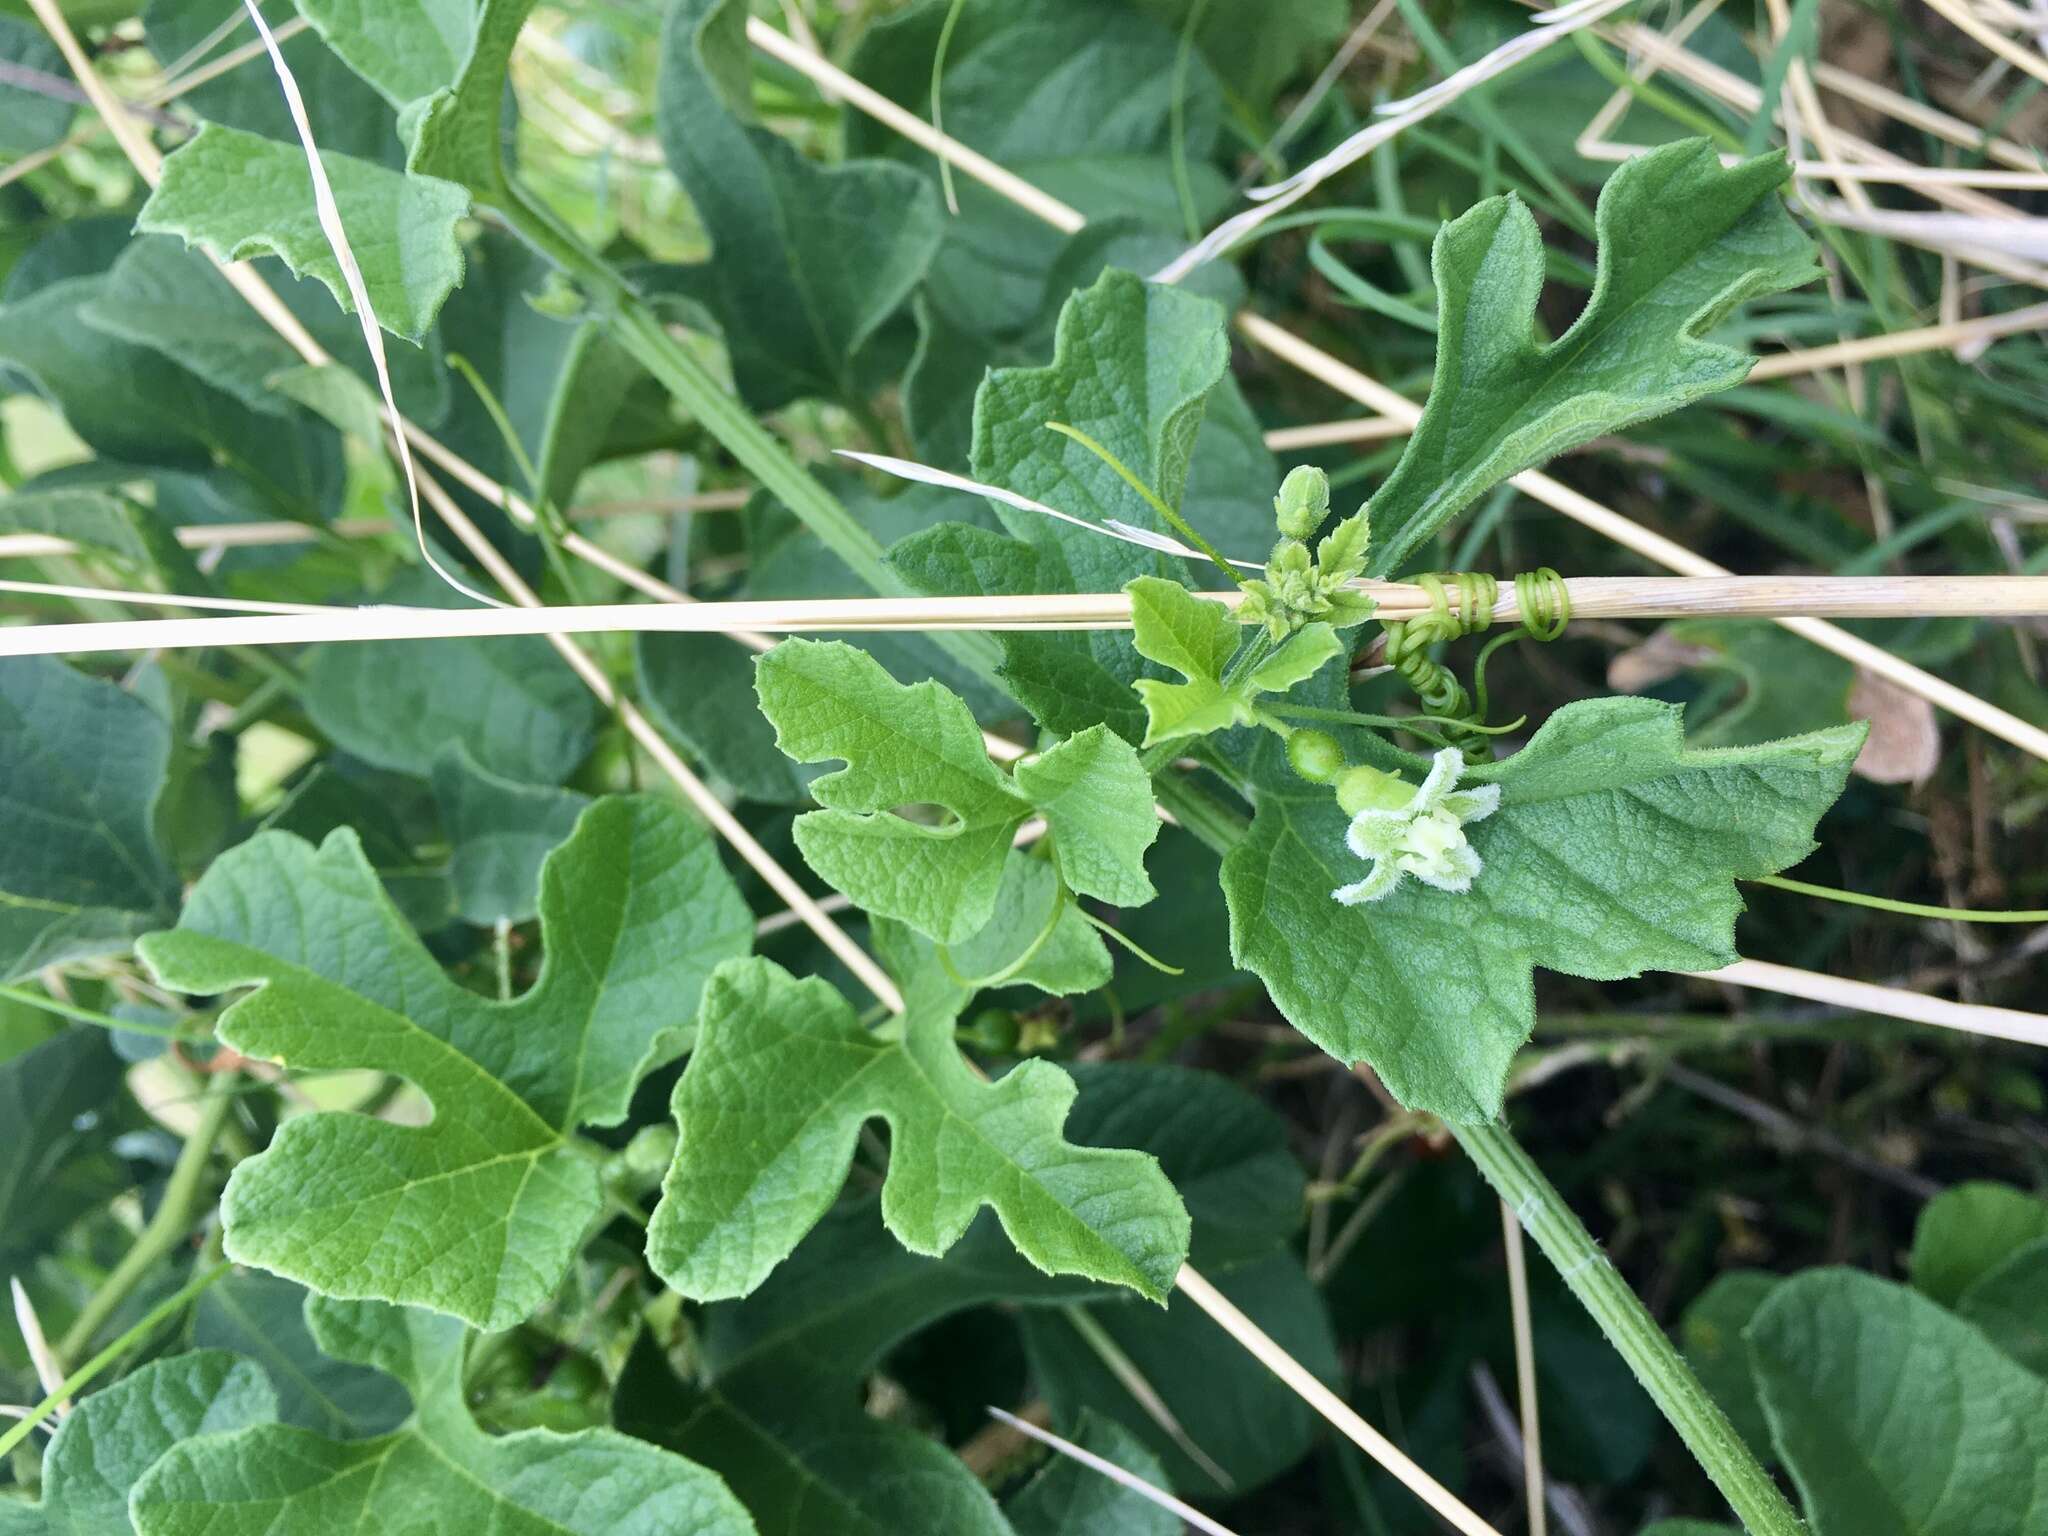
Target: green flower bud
1372,789
1303,502
1315,755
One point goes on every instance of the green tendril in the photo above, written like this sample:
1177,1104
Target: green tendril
1461,603
1899,908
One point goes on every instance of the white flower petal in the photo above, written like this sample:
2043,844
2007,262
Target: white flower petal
1474,804
1374,887
1443,777
1375,834
1452,871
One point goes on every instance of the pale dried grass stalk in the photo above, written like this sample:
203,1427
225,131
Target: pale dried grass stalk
1525,1370
1314,361
1395,117
1115,1473
1305,1385
328,213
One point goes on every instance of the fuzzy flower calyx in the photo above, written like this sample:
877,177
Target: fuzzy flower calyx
1298,588
1405,830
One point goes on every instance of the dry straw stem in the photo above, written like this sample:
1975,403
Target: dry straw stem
1882,98
148,165
2028,59
1525,1370
169,90
1632,597
1330,1405
262,535
1891,1002
1668,54
1347,380
1656,547
1116,1474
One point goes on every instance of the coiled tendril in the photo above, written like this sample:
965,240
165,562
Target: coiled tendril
1460,604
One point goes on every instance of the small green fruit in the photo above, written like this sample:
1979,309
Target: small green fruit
1315,755
1303,502
1373,789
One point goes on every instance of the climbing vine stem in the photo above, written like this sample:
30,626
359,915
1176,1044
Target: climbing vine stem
186,1193
635,325
1599,1287
79,1379
1657,1364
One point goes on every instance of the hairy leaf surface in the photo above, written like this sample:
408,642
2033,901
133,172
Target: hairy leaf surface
103,1448
237,195
478,1212
1682,243
781,1081
1896,1418
438,1471
919,746
1434,989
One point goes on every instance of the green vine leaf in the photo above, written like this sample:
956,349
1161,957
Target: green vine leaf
1036,938
106,526
1894,1417
513,703
237,195
263,1319
773,1100
82,766
1067,1498
406,49
104,1446
437,1471
802,275
1096,799
1433,988
58,1099
478,1212
500,833
1197,638
2010,1304
457,132
166,296
1134,366
918,745
134,405
1682,243
1967,1231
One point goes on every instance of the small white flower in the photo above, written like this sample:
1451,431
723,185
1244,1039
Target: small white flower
1420,833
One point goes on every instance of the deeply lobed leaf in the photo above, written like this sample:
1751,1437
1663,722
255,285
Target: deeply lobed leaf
237,195
772,1102
919,746
437,1472
478,1212
1614,851
1682,243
